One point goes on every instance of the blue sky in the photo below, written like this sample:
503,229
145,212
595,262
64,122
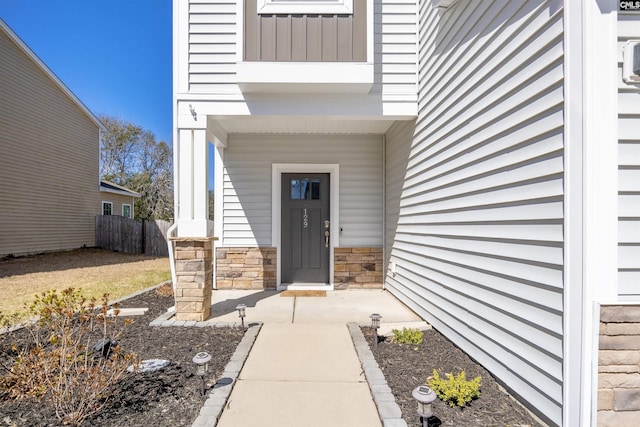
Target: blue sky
114,55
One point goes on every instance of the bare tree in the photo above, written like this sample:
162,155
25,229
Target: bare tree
130,156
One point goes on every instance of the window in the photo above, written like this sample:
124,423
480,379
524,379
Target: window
305,189
126,210
107,208
305,6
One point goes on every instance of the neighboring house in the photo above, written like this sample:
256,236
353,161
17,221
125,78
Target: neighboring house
117,200
481,162
49,153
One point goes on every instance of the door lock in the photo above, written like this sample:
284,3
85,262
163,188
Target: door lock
326,239
326,223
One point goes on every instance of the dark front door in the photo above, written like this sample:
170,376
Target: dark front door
305,228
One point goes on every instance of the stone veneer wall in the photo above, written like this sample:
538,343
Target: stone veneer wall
357,268
246,268
194,273
619,366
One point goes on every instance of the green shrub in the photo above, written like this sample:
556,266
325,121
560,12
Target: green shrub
60,361
455,390
408,336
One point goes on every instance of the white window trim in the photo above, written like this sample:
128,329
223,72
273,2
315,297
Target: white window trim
301,6
104,202
130,210
277,169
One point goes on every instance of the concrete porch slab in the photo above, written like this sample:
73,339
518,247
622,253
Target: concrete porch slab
337,307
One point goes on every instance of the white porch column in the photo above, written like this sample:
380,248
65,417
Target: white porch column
193,198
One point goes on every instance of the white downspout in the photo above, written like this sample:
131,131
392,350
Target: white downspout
176,210
170,234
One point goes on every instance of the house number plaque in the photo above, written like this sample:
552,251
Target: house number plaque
305,219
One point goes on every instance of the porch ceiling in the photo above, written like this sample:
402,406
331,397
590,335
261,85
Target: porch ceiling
299,125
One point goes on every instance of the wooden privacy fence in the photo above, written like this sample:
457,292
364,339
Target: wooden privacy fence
120,234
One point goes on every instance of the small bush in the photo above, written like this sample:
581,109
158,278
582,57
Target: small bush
408,336
60,360
165,290
455,390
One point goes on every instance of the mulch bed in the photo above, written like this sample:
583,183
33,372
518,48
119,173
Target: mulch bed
170,397
405,367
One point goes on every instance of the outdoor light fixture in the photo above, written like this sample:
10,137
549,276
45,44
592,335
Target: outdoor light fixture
241,312
375,324
201,360
425,397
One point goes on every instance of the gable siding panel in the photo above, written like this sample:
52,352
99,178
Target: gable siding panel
48,161
212,46
478,243
247,184
629,170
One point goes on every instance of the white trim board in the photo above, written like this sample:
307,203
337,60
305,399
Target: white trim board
297,6
277,169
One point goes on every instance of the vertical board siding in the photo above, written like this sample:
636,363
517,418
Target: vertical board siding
475,200
247,184
329,38
48,161
628,170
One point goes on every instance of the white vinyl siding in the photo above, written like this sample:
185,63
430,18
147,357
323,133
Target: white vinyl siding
213,47
397,146
48,160
478,244
628,170
247,184
395,50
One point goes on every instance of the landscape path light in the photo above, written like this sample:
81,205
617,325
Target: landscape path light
425,397
241,312
201,360
375,324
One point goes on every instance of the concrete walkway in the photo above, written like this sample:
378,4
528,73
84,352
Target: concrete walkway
302,369
301,375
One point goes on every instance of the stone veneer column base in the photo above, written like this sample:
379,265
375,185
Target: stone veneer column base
619,366
357,268
246,268
194,278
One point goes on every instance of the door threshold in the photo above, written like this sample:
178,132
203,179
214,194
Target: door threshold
305,287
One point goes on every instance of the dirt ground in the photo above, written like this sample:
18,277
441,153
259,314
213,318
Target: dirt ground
94,271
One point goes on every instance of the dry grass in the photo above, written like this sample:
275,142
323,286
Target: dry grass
92,271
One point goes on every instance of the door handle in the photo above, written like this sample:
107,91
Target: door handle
326,239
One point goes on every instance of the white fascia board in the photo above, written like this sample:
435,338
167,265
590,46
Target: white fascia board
271,7
305,77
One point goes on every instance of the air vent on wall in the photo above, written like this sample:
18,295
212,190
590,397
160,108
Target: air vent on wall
443,4
631,62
